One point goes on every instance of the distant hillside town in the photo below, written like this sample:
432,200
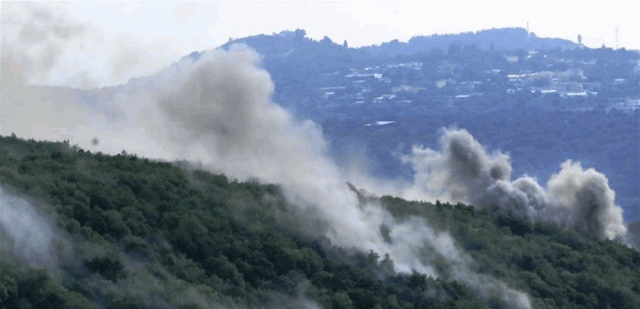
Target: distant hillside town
483,71
480,72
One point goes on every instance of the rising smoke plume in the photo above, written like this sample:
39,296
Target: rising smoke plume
219,113
463,171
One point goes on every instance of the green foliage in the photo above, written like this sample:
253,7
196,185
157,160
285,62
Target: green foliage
518,226
164,224
109,266
21,287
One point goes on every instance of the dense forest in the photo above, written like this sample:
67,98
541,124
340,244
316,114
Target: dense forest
129,232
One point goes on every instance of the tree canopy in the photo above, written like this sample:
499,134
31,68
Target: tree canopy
150,234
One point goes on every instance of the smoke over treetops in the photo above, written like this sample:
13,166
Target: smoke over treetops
462,171
219,113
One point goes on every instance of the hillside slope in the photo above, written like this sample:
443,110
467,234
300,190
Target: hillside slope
128,232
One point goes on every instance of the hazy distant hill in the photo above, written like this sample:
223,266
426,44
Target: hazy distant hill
288,43
292,51
498,39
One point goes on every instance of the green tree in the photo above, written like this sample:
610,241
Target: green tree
341,301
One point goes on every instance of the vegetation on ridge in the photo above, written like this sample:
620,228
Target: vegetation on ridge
148,234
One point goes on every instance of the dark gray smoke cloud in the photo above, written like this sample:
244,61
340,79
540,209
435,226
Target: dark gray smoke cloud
463,171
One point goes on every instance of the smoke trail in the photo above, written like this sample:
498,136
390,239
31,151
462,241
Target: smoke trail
462,171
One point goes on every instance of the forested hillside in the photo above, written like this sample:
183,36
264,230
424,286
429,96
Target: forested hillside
128,232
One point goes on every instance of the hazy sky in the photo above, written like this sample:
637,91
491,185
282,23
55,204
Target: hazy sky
169,30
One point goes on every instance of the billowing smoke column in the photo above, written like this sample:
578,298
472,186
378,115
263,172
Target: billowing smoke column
463,171
220,114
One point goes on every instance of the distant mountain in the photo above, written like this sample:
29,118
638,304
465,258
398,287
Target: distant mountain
287,43
295,46
292,50
498,39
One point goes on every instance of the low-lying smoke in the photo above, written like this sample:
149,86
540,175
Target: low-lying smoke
24,232
463,171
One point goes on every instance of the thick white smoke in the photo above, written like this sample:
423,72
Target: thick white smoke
463,171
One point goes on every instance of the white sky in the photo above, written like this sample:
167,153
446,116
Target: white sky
170,30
